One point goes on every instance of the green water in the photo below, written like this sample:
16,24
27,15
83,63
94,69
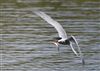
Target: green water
25,38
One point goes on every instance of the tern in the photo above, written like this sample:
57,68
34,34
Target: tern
62,39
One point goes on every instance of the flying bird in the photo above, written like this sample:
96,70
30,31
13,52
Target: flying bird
62,39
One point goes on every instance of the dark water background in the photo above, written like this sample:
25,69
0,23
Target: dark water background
25,38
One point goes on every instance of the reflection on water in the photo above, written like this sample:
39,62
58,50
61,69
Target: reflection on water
26,38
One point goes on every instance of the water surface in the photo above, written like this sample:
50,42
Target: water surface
26,38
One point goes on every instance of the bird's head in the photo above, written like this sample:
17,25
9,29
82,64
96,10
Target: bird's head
56,41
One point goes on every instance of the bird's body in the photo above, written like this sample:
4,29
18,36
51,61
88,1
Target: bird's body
62,39
64,42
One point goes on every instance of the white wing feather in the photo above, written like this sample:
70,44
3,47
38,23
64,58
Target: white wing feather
54,23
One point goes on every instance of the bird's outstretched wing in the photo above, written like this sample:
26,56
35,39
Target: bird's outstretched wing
54,23
73,39
73,49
